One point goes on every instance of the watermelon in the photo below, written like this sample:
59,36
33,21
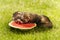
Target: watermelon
22,26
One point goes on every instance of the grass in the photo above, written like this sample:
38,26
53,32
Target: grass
50,8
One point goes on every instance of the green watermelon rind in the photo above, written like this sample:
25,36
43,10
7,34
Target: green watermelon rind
19,27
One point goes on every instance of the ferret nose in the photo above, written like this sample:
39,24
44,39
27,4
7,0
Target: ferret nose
26,20
19,20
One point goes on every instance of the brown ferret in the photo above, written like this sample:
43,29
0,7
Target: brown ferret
25,17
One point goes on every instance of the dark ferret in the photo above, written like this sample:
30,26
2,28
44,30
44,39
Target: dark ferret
25,17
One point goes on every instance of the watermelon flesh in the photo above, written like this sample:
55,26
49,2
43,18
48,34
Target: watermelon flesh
22,26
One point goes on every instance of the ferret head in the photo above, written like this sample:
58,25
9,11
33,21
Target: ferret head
20,17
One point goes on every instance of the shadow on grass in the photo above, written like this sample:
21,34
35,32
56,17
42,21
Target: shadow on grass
32,31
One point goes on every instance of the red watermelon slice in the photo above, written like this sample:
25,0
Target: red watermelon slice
22,26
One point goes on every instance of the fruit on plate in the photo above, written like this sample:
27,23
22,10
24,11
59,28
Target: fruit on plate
22,26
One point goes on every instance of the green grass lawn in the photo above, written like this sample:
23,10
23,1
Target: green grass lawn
50,8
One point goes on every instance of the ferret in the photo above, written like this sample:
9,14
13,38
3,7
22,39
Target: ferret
25,17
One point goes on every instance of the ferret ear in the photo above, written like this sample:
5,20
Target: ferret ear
15,13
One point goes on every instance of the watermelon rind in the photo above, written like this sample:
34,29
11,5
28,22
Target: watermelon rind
20,27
